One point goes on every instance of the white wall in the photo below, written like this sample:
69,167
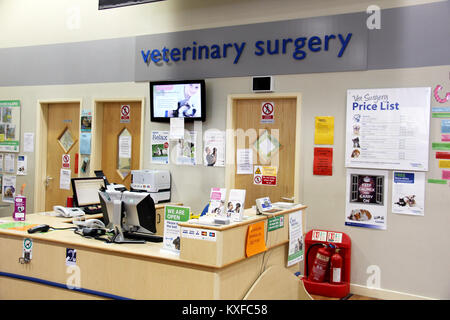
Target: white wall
412,253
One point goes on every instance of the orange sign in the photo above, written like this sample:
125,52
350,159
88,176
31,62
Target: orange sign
255,239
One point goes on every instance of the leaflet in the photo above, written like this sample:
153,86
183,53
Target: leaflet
408,193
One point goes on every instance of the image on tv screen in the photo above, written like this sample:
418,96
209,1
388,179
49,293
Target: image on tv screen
177,100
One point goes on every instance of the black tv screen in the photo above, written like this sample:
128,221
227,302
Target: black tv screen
177,99
108,4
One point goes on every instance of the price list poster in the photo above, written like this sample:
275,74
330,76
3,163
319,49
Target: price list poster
388,128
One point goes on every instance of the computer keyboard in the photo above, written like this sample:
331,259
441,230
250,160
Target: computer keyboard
143,236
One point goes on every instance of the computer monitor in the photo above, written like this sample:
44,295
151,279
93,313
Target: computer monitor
85,191
100,174
140,212
107,198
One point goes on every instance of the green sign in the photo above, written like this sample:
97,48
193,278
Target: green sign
437,181
441,115
9,103
275,223
176,213
440,146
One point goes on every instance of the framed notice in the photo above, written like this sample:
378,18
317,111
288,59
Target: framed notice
366,203
9,125
388,128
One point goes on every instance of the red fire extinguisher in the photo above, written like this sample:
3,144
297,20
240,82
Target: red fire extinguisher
320,264
336,267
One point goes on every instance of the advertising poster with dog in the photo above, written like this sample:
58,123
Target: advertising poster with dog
366,204
388,128
160,147
408,193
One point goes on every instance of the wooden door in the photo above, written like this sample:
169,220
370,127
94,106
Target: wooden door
63,126
117,169
246,118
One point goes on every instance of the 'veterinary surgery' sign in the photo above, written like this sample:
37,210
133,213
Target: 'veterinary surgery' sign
321,44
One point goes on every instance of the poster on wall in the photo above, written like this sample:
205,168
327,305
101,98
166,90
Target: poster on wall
408,193
9,125
186,151
388,128
366,198
160,147
295,253
9,188
214,148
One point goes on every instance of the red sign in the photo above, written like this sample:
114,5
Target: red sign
125,113
66,161
442,155
267,111
323,161
269,180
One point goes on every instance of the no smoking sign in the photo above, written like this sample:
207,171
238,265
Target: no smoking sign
125,114
267,112
66,161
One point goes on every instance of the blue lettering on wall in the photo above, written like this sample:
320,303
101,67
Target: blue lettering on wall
299,49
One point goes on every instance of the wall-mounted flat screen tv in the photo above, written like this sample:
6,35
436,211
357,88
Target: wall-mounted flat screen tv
177,99
109,4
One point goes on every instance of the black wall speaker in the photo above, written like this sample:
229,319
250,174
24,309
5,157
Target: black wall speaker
262,84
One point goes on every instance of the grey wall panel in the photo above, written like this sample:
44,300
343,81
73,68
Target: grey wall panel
109,60
411,37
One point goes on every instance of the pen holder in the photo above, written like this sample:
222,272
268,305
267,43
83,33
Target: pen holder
20,208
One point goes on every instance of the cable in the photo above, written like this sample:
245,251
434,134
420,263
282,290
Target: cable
69,228
107,240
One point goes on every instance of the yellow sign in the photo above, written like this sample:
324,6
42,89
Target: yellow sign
269,171
324,130
255,239
265,175
444,164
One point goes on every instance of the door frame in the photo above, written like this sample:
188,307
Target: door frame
230,167
97,130
40,171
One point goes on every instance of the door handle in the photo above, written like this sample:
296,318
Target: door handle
159,218
47,181
288,199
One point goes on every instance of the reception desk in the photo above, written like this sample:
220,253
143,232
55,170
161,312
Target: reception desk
203,269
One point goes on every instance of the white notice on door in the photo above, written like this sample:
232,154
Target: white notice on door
64,179
244,161
125,147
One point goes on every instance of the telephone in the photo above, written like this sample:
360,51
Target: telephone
263,205
68,212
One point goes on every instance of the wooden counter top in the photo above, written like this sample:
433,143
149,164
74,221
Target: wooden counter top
250,217
149,250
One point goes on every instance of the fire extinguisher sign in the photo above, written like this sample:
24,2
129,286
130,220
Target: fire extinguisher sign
335,237
327,236
319,235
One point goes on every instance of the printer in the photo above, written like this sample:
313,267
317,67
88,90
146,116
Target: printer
155,182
